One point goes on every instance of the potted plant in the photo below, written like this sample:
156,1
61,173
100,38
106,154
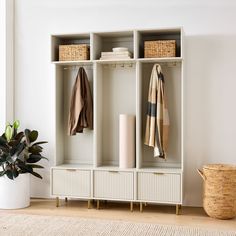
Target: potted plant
19,153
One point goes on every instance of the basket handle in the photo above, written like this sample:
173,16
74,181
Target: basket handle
201,174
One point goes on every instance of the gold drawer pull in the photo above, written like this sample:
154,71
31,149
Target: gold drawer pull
113,171
71,169
158,173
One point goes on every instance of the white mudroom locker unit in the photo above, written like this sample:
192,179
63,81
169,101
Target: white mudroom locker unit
86,166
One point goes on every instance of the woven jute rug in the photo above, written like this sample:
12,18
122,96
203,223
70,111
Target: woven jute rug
35,225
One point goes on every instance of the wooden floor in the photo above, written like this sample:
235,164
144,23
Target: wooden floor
120,211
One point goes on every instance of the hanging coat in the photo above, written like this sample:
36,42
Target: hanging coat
157,124
81,105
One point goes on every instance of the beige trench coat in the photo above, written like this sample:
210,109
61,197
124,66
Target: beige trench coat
81,106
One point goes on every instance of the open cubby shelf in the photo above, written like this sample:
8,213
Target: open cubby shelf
91,159
104,42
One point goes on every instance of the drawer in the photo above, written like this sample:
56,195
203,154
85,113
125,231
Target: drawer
117,185
159,187
71,182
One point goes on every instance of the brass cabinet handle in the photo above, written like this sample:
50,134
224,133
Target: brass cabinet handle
158,173
113,171
71,169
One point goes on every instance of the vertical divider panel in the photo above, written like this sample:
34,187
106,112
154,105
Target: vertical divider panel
97,114
181,42
91,183
59,119
138,115
96,46
54,48
91,46
182,111
136,44
135,186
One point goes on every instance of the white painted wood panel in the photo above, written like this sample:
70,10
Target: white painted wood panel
77,148
119,86
71,182
117,95
114,185
159,187
172,76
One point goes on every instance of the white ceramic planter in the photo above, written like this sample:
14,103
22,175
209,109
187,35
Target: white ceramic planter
15,194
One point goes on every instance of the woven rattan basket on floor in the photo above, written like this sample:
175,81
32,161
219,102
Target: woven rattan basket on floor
159,48
219,193
73,52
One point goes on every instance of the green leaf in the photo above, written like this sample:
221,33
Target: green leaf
3,141
9,132
35,149
16,149
16,124
27,132
25,167
9,174
34,158
36,175
13,143
28,169
33,135
21,147
35,166
19,136
38,143
15,173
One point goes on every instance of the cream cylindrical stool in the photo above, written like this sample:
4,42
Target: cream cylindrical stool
126,141
219,193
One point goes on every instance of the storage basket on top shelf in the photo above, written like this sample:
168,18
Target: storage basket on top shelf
219,197
160,48
74,52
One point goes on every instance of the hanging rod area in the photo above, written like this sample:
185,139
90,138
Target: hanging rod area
119,64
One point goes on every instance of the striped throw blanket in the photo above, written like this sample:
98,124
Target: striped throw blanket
157,124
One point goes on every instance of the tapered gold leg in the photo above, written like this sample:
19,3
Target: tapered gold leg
89,204
145,204
178,207
141,207
57,201
66,199
131,206
98,204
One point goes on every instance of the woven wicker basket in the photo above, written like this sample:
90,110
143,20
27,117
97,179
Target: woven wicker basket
219,191
73,52
159,48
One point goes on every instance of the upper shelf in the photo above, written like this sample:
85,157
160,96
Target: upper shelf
128,61
105,41
73,63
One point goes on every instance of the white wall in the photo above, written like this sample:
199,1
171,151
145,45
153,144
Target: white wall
210,115
6,62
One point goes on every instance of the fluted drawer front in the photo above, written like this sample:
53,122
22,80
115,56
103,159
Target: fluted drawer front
159,187
71,182
114,185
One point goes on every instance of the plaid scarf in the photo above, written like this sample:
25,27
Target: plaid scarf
157,124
